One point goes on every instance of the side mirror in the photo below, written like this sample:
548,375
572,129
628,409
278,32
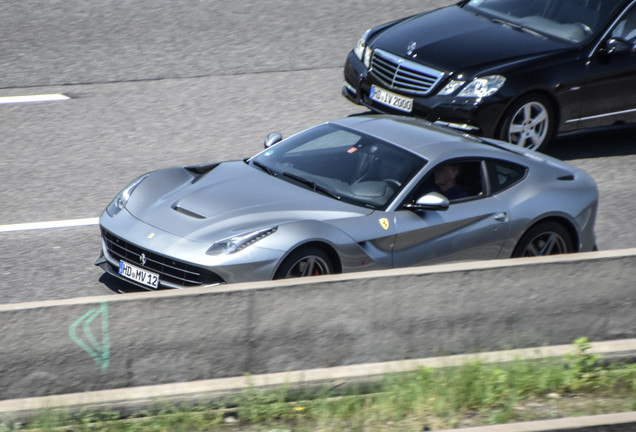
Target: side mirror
272,139
618,45
430,201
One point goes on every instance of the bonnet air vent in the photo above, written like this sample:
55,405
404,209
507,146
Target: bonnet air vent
187,212
568,177
200,170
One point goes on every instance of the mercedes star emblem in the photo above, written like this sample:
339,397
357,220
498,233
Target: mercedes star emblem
411,47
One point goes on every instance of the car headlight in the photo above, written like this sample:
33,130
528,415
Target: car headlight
362,51
239,242
451,87
122,197
482,87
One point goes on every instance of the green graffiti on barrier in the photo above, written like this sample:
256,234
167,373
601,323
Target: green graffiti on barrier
99,351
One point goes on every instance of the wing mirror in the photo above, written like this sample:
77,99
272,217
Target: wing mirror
618,45
430,201
273,138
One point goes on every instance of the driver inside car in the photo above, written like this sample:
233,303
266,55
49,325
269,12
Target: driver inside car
446,181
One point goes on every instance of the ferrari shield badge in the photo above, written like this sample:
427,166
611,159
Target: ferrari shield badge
384,223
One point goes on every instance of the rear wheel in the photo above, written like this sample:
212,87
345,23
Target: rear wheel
529,123
547,238
307,261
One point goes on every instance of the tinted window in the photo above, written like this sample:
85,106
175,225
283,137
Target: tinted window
456,180
626,27
502,175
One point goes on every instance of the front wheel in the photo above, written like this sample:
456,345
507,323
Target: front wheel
309,261
547,238
529,123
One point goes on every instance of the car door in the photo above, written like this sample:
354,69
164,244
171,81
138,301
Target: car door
610,89
473,227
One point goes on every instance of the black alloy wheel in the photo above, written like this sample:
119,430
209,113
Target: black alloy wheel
546,238
307,261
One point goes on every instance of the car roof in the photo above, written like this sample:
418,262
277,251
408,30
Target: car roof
421,137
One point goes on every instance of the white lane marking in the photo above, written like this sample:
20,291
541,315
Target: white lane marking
33,98
70,223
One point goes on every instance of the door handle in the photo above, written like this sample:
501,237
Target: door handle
501,217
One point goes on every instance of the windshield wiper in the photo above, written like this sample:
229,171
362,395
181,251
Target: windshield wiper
265,168
517,26
316,187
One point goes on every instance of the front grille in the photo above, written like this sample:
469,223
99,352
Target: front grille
170,270
405,75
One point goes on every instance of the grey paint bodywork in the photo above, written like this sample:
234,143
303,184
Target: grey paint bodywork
179,214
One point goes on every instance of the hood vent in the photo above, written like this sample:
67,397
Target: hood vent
568,177
187,212
198,171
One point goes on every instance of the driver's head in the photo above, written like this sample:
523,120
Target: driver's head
446,175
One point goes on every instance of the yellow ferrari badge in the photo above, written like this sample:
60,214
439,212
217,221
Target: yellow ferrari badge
151,235
384,223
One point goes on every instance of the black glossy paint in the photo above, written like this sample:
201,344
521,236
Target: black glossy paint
586,85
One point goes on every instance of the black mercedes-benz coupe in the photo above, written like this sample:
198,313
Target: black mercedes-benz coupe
521,71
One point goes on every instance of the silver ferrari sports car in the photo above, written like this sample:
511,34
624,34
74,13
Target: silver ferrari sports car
359,193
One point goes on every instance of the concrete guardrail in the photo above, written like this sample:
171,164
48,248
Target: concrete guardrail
110,342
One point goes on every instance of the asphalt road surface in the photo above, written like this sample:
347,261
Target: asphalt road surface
158,83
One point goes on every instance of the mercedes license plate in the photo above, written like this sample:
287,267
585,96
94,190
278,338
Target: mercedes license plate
391,99
139,275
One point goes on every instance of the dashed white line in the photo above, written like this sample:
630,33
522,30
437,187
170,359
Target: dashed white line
69,223
33,98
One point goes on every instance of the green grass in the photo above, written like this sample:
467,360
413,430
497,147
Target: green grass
472,394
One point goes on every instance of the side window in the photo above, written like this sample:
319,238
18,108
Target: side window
502,175
456,180
626,27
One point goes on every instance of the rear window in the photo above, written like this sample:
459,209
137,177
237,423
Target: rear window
503,174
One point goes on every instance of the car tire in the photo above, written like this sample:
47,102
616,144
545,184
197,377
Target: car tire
529,122
307,261
546,238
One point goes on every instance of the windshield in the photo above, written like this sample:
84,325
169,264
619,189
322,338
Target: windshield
341,163
572,20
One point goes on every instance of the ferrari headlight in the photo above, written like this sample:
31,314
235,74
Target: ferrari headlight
239,242
362,51
483,86
122,197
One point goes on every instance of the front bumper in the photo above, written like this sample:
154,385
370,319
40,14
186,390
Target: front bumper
179,262
172,273
472,115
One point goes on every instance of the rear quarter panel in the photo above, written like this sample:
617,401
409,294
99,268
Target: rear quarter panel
553,189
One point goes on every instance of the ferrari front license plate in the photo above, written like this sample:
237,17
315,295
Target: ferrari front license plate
386,97
138,275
